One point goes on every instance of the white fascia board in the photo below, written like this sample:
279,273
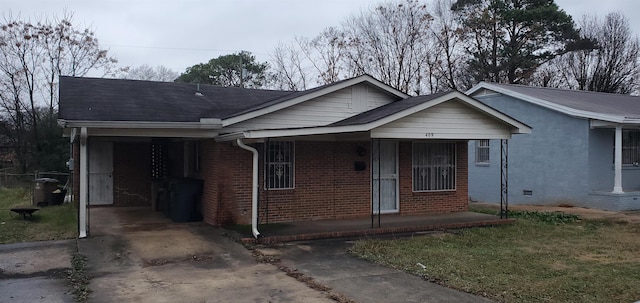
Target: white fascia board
231,137
634,123
519,126
550,105
313,95
308,131
152,133
209,124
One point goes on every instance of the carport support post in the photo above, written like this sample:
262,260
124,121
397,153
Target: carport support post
617,179
84,186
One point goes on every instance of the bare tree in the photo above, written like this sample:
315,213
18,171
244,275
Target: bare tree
608,64
326,52
391,43
68,51
449,47
289,67
145,72
32,56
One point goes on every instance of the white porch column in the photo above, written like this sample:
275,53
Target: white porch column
84,186
617,180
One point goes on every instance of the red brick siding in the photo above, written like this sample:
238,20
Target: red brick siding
208,170
227,173
415,203
131,174
326,185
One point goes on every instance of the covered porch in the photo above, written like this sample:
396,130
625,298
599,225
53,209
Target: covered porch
623,177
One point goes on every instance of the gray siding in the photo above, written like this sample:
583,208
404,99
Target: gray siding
552,161
601,159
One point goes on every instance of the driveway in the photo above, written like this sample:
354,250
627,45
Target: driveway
135,255
144,258
329,263
35,271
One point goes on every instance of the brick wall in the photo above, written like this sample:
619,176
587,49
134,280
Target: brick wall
131,174
417,203
326,184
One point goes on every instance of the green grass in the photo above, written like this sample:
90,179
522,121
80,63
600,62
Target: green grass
49,223
543,257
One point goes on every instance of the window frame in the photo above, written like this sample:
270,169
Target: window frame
268,147
630,147
486,152
451,166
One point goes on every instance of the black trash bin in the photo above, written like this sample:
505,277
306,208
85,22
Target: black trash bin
57,196
184,196
43,191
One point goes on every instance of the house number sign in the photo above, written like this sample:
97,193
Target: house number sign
429,135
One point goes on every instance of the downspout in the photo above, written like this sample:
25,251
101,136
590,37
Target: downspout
254,189
83,218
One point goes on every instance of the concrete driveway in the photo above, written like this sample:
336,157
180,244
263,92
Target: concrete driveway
141,257
135,255
330,264
35,271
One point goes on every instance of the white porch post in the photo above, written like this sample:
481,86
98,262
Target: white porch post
84,186
617,180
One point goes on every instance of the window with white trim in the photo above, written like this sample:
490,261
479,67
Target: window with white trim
482,152
279,160
630,146
434,166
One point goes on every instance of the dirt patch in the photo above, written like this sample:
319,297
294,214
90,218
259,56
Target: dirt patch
192,259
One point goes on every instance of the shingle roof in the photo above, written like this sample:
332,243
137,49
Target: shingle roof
602,103
98,99
387,110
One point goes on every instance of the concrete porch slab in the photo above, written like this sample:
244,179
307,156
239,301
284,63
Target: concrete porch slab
380,225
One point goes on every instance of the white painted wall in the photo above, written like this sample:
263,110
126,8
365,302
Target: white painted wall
448,120
321,111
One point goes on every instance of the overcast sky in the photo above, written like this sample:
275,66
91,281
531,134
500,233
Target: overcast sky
179,34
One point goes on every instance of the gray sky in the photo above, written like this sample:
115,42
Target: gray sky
179,34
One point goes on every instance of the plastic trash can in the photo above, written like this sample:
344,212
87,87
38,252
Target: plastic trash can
43,191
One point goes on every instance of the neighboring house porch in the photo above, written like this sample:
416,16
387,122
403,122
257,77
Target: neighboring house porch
584,149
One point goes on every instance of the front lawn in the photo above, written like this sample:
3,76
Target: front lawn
541,258
49,223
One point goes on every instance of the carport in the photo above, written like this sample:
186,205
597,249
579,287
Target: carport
123,169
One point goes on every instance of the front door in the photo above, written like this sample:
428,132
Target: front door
100,173
385,177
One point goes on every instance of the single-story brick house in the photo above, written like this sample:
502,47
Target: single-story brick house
339,151
584,151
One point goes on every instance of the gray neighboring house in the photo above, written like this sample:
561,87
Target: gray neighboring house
583,150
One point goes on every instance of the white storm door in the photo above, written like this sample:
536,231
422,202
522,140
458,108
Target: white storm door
100,173
385,177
